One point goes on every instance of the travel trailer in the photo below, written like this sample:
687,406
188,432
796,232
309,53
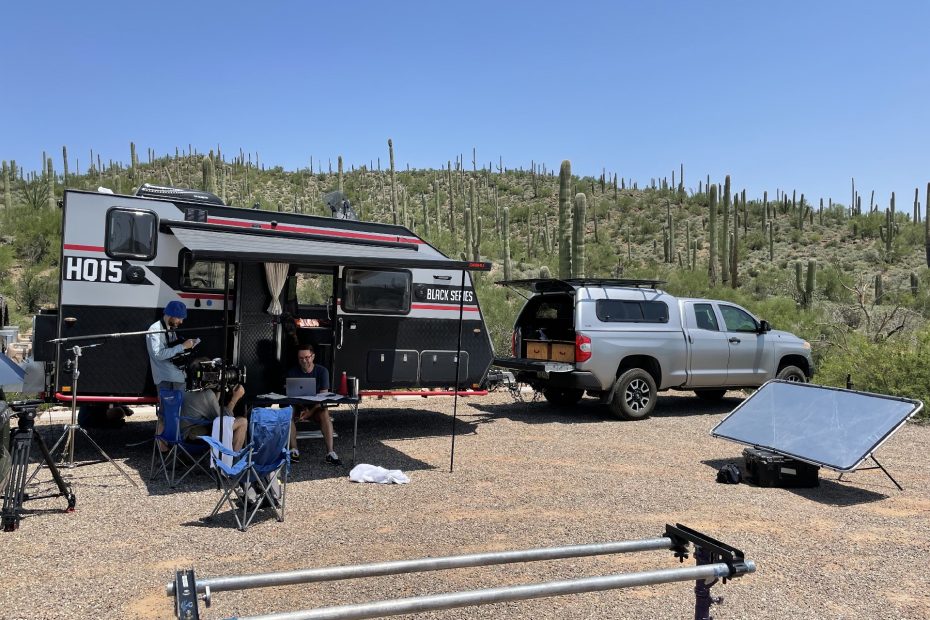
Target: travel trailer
377,302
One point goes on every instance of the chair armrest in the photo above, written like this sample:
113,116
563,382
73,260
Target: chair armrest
223,449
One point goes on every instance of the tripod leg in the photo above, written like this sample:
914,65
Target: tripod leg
56,475
16,489
107,457
881,467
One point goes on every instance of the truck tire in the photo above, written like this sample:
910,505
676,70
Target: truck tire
792,373
563,397
635,396
710,394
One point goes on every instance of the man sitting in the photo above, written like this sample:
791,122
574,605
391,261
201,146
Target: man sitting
204,407
306,369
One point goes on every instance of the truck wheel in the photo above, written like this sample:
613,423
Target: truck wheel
635,396
710,394
562,397
793,374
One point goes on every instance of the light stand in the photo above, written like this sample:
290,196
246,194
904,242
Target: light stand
72,429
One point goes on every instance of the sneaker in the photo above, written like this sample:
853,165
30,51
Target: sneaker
332,459
295,456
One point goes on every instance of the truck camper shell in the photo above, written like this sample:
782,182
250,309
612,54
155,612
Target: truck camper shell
376,301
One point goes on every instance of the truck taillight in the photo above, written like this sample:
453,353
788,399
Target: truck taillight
513,344
582,347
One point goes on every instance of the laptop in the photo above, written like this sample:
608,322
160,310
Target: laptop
300,386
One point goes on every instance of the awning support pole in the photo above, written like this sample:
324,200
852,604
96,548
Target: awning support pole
458,364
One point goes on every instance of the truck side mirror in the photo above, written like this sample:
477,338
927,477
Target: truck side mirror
764,327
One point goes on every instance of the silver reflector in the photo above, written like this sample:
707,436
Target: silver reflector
826,426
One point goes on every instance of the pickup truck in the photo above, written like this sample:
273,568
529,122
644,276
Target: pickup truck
623,341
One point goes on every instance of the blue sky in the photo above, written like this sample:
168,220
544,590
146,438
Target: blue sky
790,95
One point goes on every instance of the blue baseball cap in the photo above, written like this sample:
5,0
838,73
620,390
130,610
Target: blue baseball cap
176,309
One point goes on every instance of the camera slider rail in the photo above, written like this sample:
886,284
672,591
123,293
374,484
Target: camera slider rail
715,560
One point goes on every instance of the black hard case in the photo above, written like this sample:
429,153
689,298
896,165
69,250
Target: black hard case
768,469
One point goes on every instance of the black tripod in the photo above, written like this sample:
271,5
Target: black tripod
21,440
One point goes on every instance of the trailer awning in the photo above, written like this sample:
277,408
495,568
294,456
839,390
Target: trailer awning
217,242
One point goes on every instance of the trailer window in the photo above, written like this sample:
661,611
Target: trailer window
377,291
131,233
205,275
619,311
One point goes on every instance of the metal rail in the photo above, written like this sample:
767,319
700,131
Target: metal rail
381,569
488,596
715,561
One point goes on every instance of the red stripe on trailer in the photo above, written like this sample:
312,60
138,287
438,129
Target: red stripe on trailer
423,394
442,307
348,234
203,296
136,400
83,248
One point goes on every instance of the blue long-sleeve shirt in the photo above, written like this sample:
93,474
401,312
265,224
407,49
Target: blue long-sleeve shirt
160,353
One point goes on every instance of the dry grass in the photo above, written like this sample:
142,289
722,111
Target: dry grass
525,476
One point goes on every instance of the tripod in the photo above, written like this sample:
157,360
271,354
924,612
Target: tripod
20,445
72,429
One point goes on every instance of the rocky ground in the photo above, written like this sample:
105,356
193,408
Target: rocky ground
525,475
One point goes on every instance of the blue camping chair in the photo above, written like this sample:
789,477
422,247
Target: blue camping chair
251,482
170,402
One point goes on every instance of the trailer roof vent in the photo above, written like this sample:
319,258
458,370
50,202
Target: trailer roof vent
179,194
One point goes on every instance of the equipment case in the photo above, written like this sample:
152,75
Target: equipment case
768,469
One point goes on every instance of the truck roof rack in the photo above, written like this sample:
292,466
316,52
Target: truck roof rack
552,285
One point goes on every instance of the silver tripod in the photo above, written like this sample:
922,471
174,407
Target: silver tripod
71,430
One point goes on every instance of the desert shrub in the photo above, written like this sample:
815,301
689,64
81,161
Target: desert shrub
6,262
36,233
895,366
35,289
831,281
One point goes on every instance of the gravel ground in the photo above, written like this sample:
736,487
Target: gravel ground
526,475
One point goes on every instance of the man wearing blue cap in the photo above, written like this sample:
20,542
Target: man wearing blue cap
163,344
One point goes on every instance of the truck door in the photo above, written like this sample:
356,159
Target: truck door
747,347
708,350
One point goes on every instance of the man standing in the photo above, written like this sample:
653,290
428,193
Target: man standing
163,344
306,368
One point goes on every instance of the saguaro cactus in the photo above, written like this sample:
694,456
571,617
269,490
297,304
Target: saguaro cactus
393,186
578,218
734,248
425,216
451,201
341,185
209,175
64,159
770,230
889,230
805,288
926,226
507,264
712,236
879,289
565,229
8,199
133,161
725,236
915,284
50,178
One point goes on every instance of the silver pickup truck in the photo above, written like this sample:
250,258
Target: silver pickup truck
625,340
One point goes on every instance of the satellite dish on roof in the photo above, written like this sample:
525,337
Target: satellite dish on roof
339,206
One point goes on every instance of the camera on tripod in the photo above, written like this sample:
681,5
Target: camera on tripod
214,374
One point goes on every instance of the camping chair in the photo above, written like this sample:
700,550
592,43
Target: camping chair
195,453
255,467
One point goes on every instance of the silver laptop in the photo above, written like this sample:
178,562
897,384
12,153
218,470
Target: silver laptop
300,386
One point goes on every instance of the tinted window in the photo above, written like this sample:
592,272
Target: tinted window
705,318
205,275
737,320
131,234
377,291
619,311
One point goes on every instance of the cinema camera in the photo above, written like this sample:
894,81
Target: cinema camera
213,374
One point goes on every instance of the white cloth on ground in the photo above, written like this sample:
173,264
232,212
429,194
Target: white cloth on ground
227,437
373,473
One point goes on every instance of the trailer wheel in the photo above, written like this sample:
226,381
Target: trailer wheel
793,374
563,397
710,394
635,395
